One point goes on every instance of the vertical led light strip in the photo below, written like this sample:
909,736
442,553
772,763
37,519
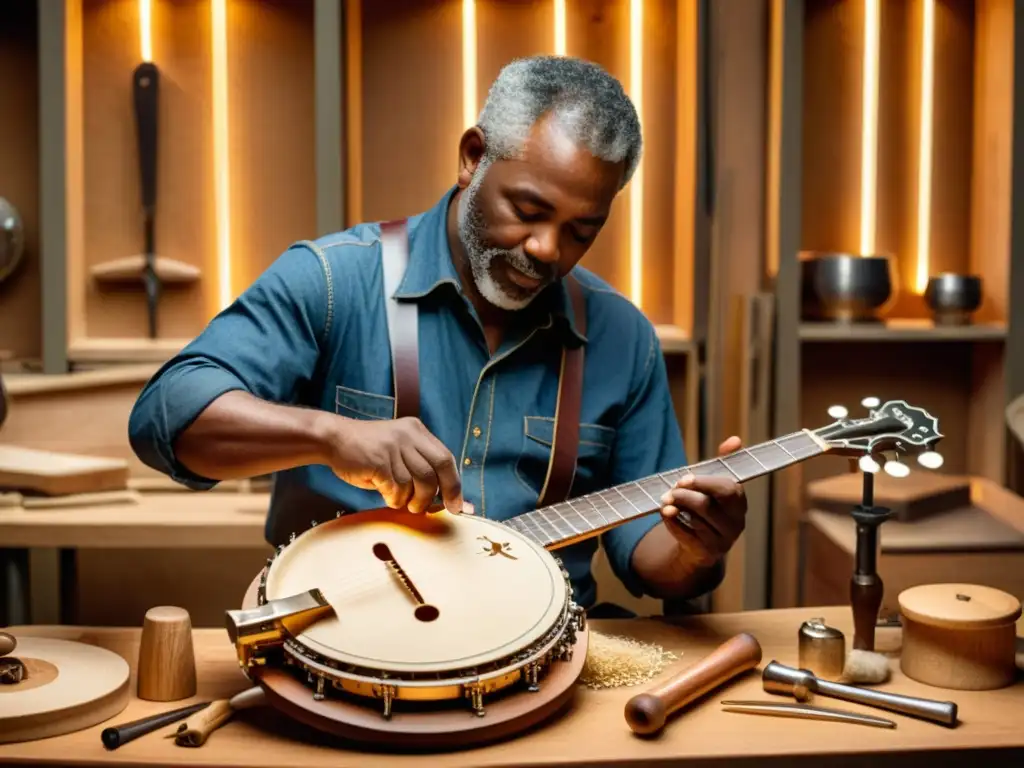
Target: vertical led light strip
221,164
146,30
469,114
560,35
924,160
869,128
636,187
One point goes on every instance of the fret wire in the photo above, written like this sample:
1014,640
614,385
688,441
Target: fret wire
666,482
634,506
598,511
557,512
644,490
751,455
776,442
614,508
580,515
731,470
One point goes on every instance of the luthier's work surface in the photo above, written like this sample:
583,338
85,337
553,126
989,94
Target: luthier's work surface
594,731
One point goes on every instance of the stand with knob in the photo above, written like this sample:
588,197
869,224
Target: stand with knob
866,586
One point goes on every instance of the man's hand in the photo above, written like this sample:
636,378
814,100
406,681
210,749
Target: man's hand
399,458
706,514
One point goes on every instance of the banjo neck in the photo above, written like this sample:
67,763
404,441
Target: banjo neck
583,517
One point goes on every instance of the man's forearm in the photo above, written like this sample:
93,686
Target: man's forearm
239,435
658,561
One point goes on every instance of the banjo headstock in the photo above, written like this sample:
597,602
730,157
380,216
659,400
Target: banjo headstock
891,431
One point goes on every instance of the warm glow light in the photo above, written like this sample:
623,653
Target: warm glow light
636,187
221,166
146,30
559,27
869,128
469,114
924,159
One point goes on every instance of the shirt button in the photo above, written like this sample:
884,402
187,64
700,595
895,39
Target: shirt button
476,431
467,461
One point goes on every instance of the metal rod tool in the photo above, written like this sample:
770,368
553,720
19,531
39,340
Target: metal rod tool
802,684
805,712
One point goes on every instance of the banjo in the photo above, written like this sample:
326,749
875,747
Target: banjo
383,625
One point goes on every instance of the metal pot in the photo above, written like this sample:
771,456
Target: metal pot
952,298
844,287
12,239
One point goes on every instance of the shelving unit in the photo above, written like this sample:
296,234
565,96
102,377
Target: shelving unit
850,182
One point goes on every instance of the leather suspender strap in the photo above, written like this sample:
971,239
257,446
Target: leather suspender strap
566,435
403,328
403,332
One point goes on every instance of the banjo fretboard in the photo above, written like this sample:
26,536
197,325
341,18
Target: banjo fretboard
593,513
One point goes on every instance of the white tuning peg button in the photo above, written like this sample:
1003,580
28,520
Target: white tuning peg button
837,411
868,464
896,469
930,460
870,402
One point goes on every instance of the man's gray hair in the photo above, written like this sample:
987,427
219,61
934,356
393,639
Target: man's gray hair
587,102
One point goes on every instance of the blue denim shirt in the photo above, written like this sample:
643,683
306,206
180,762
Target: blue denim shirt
312,330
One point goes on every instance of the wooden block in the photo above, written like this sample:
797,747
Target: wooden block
81,500
910,498
56,474
167,665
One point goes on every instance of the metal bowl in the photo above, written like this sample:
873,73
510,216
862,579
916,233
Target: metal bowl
952,298
844,287
12,239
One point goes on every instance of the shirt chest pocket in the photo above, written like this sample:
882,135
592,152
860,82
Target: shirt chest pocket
592,457
357,404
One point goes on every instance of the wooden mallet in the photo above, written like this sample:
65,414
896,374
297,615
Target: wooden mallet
647,712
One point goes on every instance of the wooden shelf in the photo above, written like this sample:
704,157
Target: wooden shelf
818,205
20,302
902,330
674,340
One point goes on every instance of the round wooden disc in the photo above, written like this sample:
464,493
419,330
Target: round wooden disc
960,606
451,725
84,685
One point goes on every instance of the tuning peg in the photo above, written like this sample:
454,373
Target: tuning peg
870,402
896,468
930,460
868,464
838,411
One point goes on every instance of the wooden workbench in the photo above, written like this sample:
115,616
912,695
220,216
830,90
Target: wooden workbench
593,732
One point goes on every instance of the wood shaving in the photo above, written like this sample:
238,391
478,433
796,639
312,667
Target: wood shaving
614,661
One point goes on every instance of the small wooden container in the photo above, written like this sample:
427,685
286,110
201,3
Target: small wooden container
167,664
959,636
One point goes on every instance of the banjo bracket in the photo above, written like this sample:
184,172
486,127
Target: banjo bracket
388,693
475,693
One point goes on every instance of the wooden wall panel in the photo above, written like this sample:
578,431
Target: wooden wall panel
111,196
598,30
507,30
411,105
833,51
271,123
992,155
20,300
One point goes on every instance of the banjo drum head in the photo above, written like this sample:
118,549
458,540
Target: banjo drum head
489,591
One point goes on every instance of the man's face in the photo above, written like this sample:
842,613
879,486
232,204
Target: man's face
527,221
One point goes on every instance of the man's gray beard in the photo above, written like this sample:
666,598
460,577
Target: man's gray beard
482,259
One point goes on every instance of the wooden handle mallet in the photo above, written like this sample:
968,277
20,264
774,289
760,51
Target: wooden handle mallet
647,712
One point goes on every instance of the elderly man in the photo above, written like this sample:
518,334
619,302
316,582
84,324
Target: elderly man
295,377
